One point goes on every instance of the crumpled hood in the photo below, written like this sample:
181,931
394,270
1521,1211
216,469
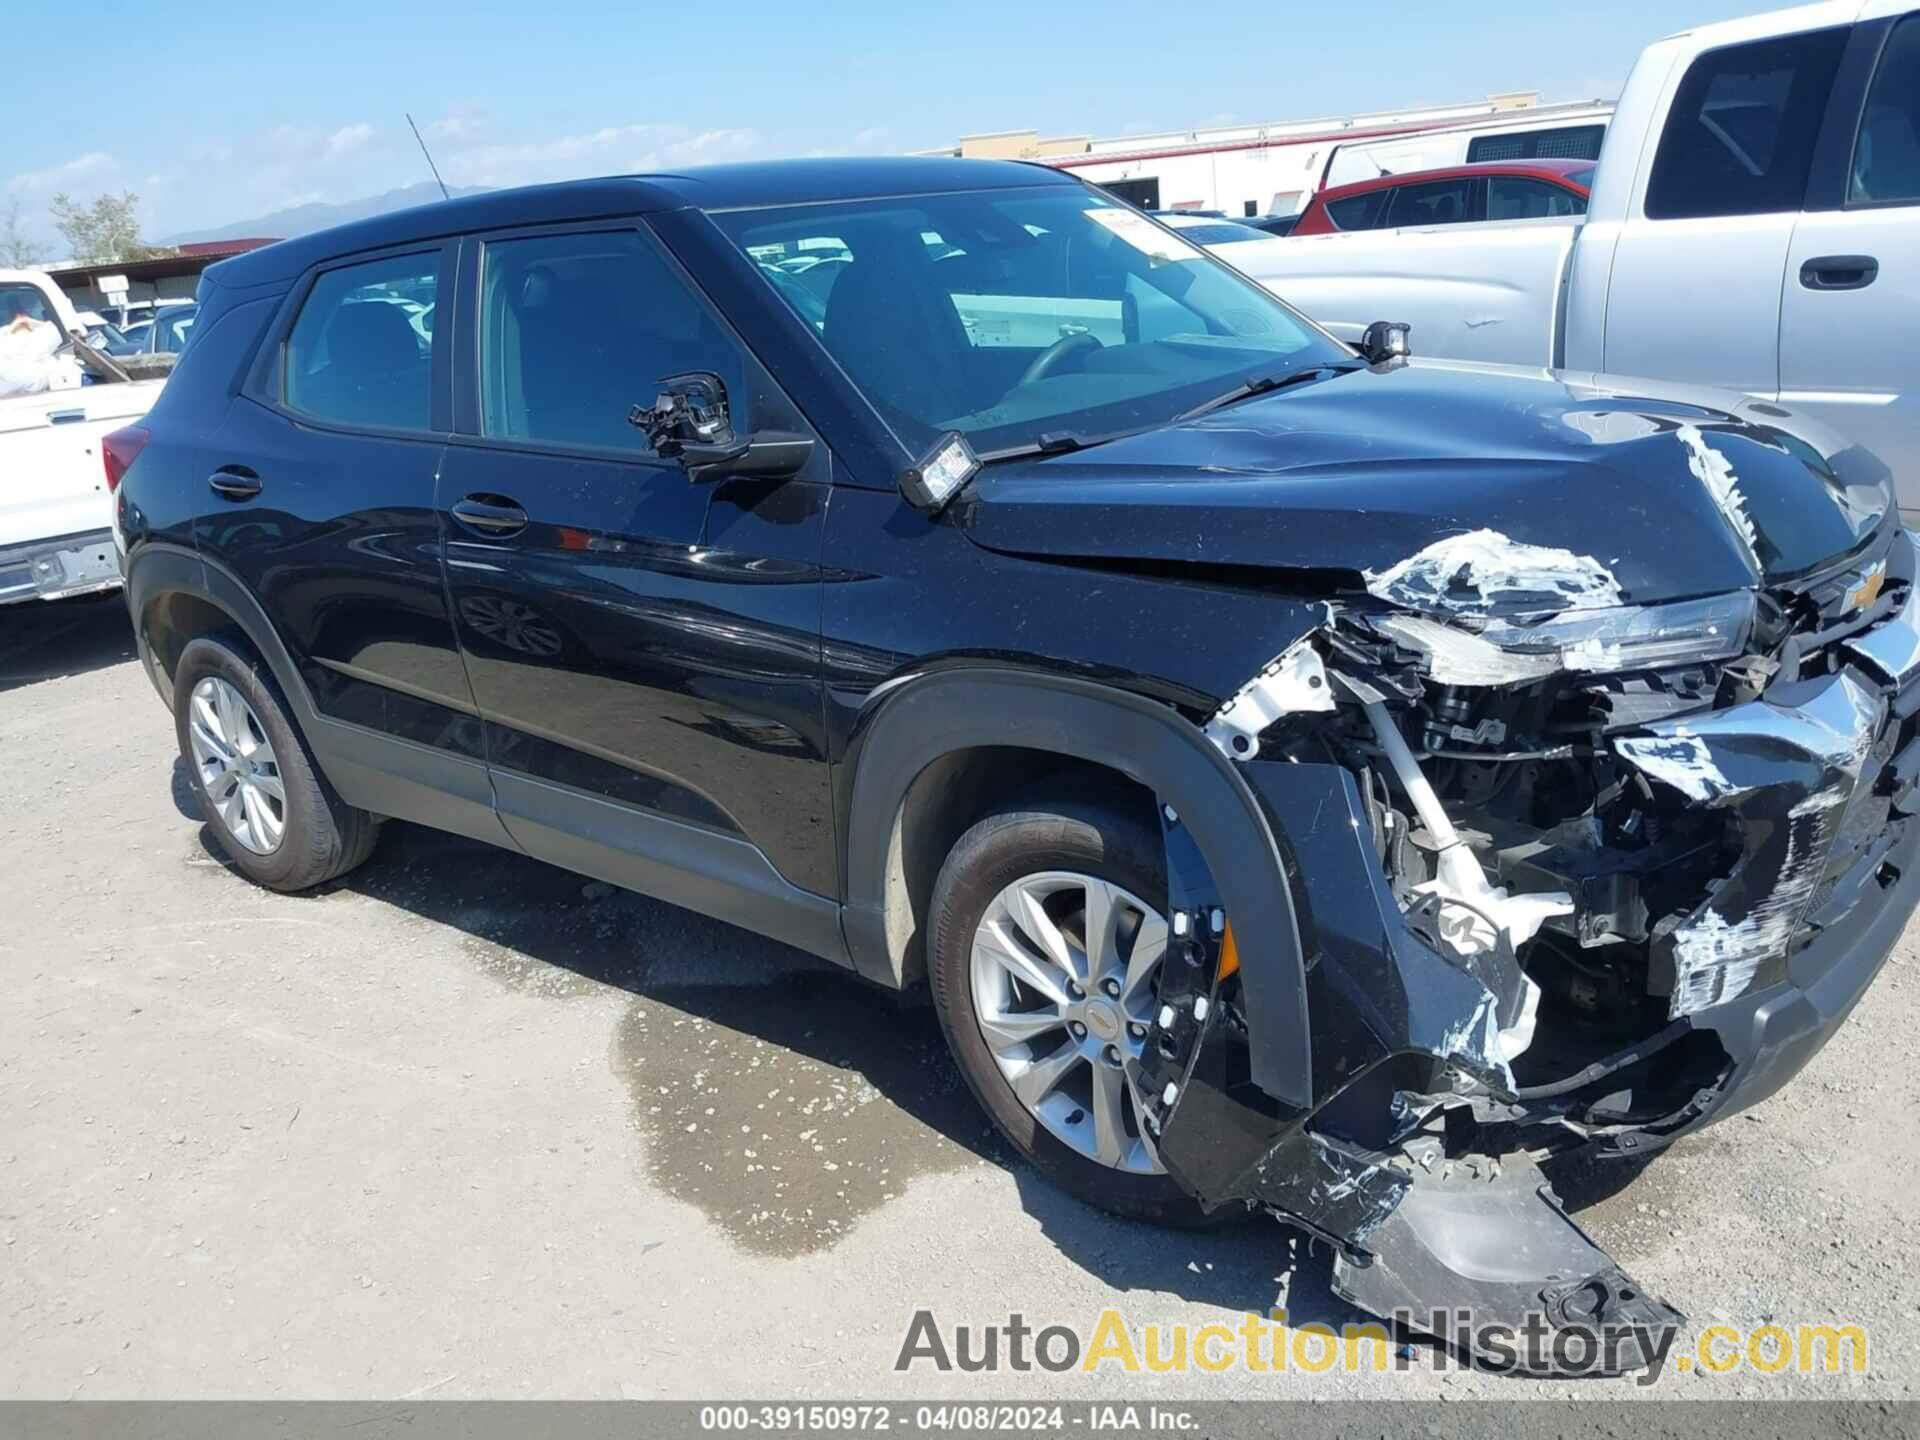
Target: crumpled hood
1650,498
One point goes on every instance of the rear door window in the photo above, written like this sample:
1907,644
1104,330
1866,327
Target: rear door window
361,352
1437,202
1886,151
1511,197
1739,138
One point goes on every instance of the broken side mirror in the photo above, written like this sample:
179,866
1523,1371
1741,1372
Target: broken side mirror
691,421
1384,341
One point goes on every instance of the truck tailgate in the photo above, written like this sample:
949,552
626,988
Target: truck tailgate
51,480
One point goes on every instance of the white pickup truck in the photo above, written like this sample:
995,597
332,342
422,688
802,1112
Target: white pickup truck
1754,226
56,515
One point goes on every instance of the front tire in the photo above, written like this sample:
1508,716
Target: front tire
1046,930
280,822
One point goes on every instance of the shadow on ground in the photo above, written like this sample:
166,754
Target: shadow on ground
787,1099
778,1093
48,640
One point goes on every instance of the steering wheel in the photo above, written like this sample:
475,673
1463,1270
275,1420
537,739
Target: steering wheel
1056,354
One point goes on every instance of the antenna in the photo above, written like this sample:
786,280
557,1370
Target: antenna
429,154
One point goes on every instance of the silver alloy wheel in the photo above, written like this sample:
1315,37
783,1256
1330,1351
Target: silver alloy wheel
1062,972
237,765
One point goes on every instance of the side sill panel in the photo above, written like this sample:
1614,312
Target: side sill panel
405,781
717,875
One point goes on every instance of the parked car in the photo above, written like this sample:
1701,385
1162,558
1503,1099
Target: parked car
1556,132
1210,232
55,509
1273,224
103,334
1459,194
1754,224
167,332
1305,780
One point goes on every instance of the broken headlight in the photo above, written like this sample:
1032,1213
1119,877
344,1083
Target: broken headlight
1505,651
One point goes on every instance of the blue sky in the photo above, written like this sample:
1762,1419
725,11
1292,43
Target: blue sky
216,111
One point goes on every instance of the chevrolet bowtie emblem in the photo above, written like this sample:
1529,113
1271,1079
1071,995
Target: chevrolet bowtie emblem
1868,590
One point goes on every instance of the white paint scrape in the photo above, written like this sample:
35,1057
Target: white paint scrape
1482,569
1714,958
1680,760
1715,471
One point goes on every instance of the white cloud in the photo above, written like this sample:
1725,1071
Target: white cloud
347,139
615,149
460,123
310,144
58,177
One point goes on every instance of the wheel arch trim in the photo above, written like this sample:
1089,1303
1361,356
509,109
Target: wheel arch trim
923,719
373,771
155,571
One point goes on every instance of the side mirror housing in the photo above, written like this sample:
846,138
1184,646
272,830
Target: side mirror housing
690,412
691,421
1385,341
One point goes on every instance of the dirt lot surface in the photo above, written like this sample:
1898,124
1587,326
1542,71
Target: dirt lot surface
465,1125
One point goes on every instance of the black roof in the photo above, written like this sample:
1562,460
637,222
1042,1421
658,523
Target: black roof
709,187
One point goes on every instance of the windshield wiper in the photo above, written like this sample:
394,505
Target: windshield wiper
1053,442
1059,442
1261,385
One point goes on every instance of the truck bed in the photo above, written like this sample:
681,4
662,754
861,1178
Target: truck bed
1487,292
55,509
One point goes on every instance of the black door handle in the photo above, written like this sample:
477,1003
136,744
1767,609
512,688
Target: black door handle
235,482
494,516
1839,272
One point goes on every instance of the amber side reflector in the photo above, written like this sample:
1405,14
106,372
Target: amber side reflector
1229,954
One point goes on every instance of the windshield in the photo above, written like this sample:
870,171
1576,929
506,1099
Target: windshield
1012,314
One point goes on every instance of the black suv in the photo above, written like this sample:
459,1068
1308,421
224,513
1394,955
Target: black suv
1306,779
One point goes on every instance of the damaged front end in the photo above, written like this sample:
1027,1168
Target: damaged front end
1570,873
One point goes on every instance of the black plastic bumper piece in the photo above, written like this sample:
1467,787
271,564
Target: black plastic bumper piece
1513,1273
1772,1034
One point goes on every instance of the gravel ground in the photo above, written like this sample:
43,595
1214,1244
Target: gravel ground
465,1125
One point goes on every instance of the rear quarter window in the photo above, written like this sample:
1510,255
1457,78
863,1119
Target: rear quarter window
361,351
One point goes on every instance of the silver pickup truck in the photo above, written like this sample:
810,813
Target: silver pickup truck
56,536
1754,226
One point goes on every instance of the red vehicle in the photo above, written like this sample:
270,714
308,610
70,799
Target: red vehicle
1500,190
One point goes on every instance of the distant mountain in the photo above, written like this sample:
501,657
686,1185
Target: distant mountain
305,219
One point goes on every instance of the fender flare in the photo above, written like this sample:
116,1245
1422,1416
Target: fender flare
935,715
155,570
375,771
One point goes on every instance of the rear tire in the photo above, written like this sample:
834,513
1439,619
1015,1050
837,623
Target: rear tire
1050,847
279,821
